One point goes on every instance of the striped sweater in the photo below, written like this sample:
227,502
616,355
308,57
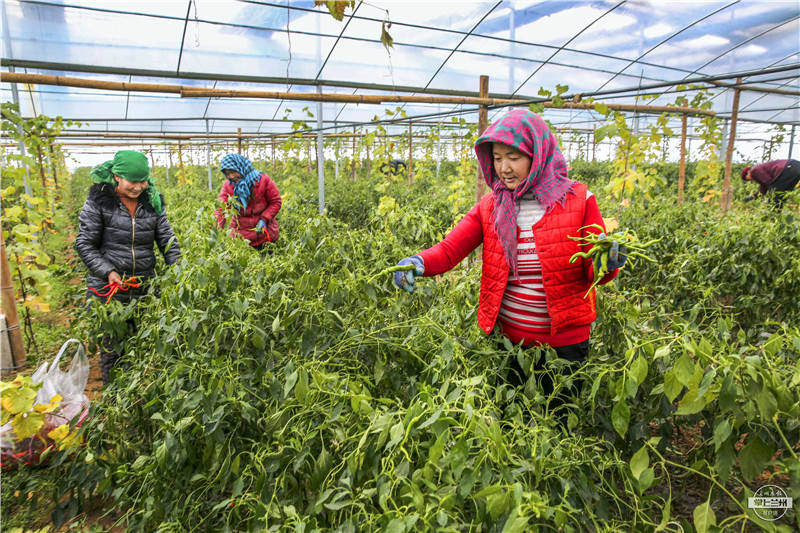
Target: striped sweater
523,311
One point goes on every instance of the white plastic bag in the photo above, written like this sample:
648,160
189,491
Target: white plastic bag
70,384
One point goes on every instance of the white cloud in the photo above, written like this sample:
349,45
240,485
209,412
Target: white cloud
657,30
704,42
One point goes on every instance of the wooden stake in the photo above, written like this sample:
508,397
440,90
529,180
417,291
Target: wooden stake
727,188
682,169
10,308
239,140
483,123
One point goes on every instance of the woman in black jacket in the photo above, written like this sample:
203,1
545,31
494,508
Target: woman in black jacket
121,220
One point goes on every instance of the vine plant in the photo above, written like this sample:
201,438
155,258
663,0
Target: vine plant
29,204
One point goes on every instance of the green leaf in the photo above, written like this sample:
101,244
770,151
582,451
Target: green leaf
497,504
639,462
161,455
767,404
721,433
607,131
646,479
433,418
291,379
397,432
27,424
639,369
17,400
515,523
704,517
672,387
684,369
727,395
386,39
692,403
754,457
723,461
620,417
301,389
396,526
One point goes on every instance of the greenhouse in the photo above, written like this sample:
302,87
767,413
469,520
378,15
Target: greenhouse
519,265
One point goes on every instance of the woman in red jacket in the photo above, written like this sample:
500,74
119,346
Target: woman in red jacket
528,286
256,199
780,176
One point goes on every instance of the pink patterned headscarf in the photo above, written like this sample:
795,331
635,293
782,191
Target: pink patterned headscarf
527,132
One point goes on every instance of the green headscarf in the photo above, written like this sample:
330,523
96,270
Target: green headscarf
132,166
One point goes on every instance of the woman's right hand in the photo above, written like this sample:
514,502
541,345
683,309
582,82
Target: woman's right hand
114,277
405,278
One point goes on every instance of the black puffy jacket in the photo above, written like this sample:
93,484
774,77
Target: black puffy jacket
110,239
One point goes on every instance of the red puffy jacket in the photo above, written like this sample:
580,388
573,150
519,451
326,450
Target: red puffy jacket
264,204
565,284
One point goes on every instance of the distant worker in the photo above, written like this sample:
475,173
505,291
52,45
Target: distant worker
256,200
779,176
393,166
122,219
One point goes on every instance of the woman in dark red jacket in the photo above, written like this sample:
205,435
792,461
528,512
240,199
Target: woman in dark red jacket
528,286
256,199
780,176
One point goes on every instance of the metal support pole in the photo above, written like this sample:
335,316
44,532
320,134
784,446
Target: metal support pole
336,154
320,157
410,154
791,143
208,157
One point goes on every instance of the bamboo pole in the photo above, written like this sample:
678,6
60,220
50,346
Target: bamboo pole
727,188
9,300
682,169
194,92
755,88
483,123
239,140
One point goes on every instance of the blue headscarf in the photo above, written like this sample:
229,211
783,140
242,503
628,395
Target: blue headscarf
250,175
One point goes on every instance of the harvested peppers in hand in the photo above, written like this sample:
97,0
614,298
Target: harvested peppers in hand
609,252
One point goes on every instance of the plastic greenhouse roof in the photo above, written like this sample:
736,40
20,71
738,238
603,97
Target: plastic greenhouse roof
617,47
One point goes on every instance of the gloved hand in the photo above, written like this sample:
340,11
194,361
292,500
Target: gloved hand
405,278
750,198
617,256
261,226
